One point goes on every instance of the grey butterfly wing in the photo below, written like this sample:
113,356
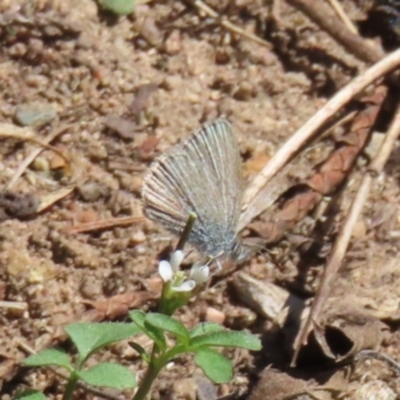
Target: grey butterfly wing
202,176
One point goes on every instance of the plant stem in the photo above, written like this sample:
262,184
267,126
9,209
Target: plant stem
70,386
186,231
147,382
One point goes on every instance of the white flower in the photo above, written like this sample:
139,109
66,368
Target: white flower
185,286
199,273
165,270
176,259
168,269
170,272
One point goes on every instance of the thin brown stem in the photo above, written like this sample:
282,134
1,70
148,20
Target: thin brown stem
343,16
200,5
103,224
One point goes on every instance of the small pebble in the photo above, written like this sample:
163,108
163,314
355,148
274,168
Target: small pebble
360,230
244,92
154,284
173,44
90,287
40,164
142,98
135,185
255,164
97,151
149,30
57,162
185,388
140,250
123,127
18,261
18,50
86,216
41,271
121,203
206,390
35,114
147,148
137,237
215,95
214,315
222,56
92,191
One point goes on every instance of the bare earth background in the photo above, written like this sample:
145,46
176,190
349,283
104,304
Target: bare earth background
65,65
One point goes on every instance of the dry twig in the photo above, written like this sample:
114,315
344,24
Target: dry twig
48,200
43,145
309,129
323,15
345,233
200,5
343,16
104,224
330,174
14,305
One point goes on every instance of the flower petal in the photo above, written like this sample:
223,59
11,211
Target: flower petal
199,273
165,270
185,286
176,259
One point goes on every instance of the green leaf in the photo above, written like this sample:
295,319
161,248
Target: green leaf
168,324
138,318
205,327
31,395
216,366
140,350
49,357
224,338
109,375
156,334
120,7
90,337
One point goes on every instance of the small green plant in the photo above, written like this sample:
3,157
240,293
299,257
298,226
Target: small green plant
202,341
88,338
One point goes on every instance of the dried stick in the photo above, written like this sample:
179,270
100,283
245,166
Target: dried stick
44,145
14,305
345,233
103,224
200,5
328,176
343,16
320,13
281,182
49,199
287,151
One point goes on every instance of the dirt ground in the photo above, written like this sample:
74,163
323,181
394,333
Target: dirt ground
68,68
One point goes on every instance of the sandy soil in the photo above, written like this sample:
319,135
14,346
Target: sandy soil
65,66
